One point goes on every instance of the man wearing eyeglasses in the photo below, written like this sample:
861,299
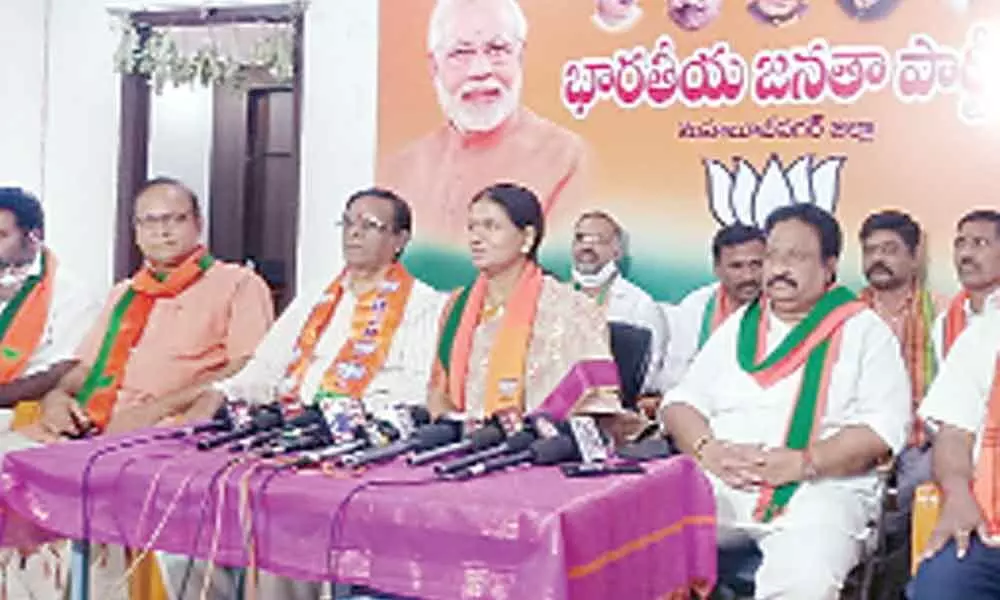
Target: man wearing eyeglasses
598,246
476,54
183,320
371,333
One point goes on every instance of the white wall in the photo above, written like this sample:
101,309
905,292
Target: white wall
82,99
180,138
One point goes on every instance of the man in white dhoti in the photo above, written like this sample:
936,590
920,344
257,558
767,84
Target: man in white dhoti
789,406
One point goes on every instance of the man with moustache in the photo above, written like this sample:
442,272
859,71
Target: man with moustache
891,260
476,56
789,407
977,262
44,313
370,334
737,255
615,16
598,246
777,12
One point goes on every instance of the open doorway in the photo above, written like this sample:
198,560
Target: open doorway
247,169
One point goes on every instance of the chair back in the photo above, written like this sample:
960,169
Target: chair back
630,347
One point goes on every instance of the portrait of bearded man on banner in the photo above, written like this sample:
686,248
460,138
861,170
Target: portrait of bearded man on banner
777,12
868,10
693,14
616,16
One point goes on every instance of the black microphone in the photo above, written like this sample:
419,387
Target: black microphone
309,459
544,452
303,424
516,443
266,418
224,419
484,437
425,438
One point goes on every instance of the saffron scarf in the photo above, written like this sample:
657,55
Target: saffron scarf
918,350
376,317
719,306
815,342
986,486
125,326
955,320
22,322
508,356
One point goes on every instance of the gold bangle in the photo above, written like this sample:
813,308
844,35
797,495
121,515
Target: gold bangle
698,449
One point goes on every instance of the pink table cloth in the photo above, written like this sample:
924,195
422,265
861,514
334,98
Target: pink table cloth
529,533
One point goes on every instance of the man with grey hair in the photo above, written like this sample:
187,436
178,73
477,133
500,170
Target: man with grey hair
598,247
475,50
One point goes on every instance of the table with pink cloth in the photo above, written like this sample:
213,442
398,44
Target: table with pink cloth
529,533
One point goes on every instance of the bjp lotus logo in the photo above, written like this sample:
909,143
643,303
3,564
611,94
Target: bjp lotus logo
744,195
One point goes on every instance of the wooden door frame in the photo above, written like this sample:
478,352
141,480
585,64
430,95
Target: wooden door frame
133,133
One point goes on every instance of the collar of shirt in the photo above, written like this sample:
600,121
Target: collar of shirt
992,303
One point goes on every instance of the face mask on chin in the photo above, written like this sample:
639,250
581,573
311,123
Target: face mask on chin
598,279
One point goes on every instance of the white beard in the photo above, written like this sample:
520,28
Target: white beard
478,119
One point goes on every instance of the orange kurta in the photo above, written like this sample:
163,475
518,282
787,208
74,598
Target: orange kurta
220,317
439,173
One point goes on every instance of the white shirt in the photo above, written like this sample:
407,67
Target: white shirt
402,379
992,303
868,386
71,314
960,393
628,303
684,333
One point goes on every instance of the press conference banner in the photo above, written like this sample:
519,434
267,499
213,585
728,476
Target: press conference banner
677,116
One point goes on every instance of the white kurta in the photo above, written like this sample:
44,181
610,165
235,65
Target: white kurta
992,304
71,314
628,303
685,329
810,548
402,379
960,393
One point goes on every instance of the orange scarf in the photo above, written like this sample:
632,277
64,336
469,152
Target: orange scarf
125,326
377,315
918,351
23,320
955,320
505,376
986,486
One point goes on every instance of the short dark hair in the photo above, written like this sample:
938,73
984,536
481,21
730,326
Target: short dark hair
522,207
27,210
734,235
402,216
895,221
176,183
830,237
981,214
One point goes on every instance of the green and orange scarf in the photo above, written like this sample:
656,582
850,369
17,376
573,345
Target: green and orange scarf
125,326
505,379
918,350
814,342
955,321
986,483
22,322
718,308
376,317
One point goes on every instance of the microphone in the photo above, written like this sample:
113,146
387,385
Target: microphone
267,417
302,424
310,459
424,438
228,416
544,452
515,443
484,437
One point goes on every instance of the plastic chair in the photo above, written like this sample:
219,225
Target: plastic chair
926,511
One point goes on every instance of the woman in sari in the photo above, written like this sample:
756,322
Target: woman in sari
517,339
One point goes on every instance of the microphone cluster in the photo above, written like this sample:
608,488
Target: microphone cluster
338,429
